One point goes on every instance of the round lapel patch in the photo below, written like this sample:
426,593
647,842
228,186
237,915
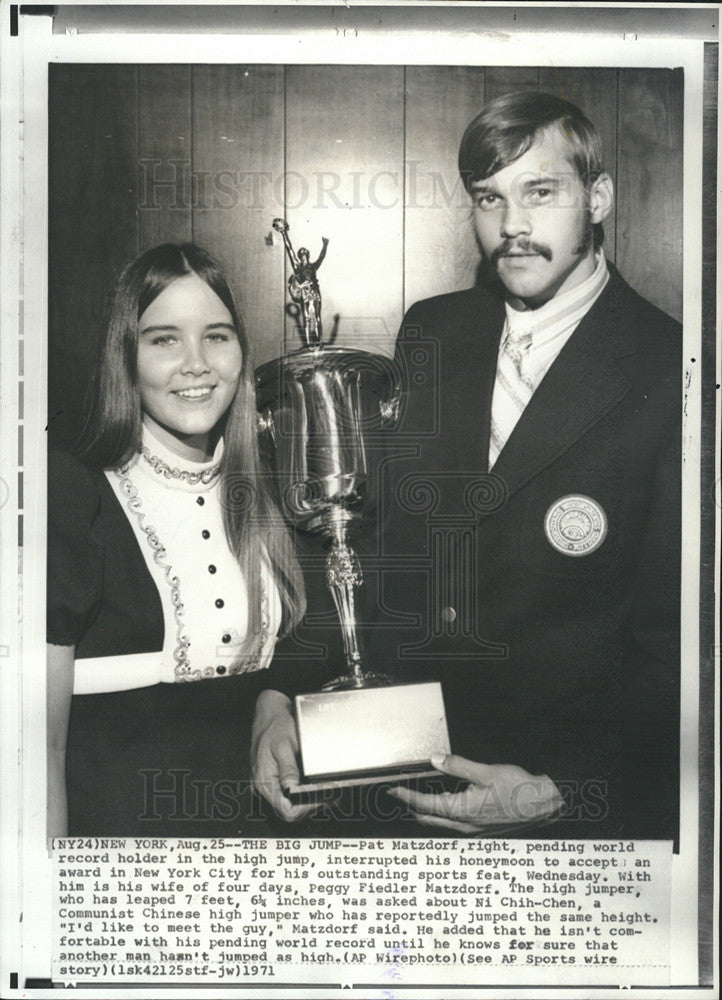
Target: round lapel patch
575,525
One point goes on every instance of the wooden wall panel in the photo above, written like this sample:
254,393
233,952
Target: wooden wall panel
93,231
238,131
650,185
440,251
363,155
345,171
501,79
164,155
594,91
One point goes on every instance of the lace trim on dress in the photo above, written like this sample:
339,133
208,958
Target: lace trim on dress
183,670
252,662
162,468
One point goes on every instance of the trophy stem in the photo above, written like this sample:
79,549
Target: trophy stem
344,577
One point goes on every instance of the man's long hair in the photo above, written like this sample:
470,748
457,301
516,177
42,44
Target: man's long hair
112,434
510,125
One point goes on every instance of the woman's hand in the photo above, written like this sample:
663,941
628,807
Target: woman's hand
274,754
499,796
60,662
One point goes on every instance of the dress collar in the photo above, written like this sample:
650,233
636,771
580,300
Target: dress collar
156,457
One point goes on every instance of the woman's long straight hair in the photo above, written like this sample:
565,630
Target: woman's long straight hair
112,433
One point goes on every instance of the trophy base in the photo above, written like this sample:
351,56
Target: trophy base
368,735
308,791
349,682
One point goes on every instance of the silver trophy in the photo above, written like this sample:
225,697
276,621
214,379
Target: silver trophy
318,407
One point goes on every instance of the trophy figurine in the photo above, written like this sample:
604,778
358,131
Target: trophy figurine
303,285
318,406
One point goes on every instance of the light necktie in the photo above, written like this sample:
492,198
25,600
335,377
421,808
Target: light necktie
513,388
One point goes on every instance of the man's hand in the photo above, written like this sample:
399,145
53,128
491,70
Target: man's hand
499,796
274,754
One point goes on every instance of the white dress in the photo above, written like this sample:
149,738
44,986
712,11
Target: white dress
173,506
158,742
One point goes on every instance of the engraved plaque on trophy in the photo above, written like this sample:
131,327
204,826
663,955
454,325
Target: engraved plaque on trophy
316,407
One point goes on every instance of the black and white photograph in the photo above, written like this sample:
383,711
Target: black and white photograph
542,591
359,423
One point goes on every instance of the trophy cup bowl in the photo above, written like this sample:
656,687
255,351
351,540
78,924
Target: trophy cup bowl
318,409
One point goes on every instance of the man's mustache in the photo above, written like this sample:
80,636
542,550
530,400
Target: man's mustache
519,246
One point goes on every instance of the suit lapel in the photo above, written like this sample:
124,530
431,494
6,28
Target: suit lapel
581,386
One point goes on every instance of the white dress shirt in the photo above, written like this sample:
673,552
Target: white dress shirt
551,326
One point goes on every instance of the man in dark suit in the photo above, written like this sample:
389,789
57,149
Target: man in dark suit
530,543
542,484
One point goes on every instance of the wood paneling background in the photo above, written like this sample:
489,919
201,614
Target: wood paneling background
365,155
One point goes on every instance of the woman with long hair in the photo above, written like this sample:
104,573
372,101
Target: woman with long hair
170,572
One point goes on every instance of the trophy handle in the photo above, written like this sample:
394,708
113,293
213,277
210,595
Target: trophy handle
389,408
266,427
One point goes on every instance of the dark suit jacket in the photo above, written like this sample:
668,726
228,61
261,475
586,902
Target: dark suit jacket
564,665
